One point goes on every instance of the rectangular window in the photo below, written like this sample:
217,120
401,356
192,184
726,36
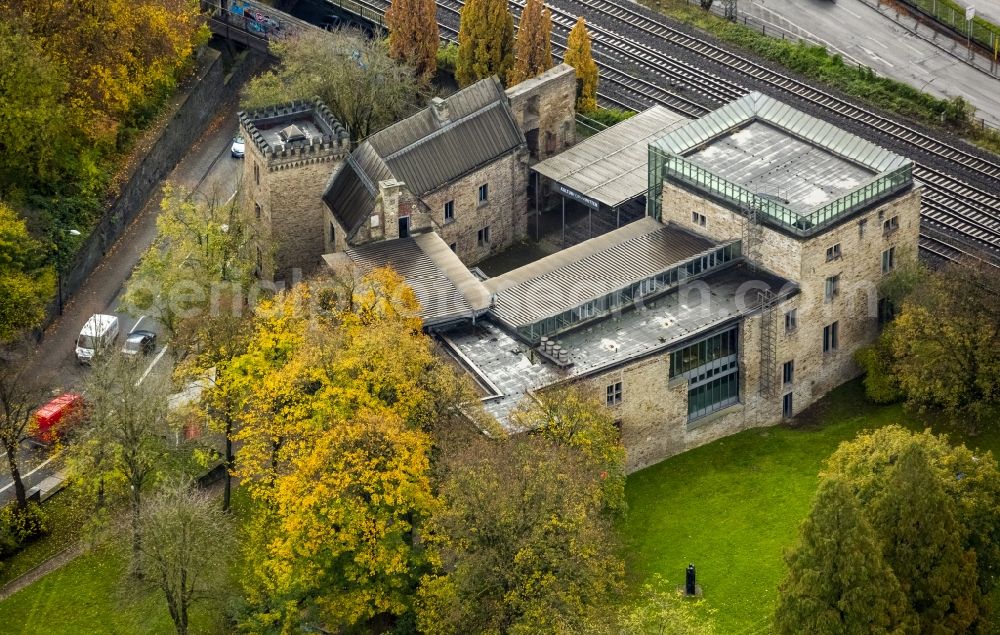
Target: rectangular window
862,226
890,225
615,394
256,173
449,211
791,320
830,337
256,210
333,233
832,253
832,288
788,372
647,286
484,193
786,406
888,260
699,219
483,236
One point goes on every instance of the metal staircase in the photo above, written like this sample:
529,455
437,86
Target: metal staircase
768,343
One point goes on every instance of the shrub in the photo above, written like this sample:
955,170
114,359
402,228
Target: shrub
447,57
19,526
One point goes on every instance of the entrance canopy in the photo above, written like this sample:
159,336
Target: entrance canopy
609,168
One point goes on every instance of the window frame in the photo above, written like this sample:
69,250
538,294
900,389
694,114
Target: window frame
792,318
449,211
613,394
831,288
483,236
483,195
831,337
788,372
833,252
889,259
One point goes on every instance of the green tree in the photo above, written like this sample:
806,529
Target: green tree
533,46
663,610
838,582
921,540
569,416
525,544
971,481
27,282
16,405
124,446
413,34
354,76
940,351
187,545
203,251
485,41
579,57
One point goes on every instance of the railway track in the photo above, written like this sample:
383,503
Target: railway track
960,219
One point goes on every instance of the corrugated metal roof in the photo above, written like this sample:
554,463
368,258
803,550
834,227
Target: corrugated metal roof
611,165
425,152
591,269
429,268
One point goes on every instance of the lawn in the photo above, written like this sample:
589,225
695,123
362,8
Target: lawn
86,596
734,506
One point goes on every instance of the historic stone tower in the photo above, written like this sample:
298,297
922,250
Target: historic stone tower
292,151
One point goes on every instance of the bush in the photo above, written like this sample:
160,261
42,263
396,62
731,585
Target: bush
608,116
19,526
447,58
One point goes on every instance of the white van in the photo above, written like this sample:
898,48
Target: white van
98,334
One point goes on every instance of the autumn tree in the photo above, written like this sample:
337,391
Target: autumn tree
662,609
413,34
533,46
940,351
27,282
579,57
203,250
970,480
16,404
838,582
354,76
921,540
569,416
341,388
124,446
186,547
485,41
526,544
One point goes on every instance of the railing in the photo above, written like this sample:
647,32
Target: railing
982,32
718,188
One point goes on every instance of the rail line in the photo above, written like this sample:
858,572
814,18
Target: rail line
952,210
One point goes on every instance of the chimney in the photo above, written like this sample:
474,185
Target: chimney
440,109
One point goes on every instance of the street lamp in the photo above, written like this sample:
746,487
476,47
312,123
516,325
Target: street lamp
59,262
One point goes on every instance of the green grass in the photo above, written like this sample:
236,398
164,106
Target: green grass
734,506
64,522
86,596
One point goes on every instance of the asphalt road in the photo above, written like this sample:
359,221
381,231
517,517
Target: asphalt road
861,34
208,170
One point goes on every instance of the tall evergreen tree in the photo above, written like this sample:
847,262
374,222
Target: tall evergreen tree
413,34
533,48
838,582
578,56
922,542
485,41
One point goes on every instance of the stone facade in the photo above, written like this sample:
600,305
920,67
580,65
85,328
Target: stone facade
284,185
545,109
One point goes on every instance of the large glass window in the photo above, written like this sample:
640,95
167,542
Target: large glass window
711,367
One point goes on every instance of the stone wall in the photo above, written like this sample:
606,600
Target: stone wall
187,116
545,110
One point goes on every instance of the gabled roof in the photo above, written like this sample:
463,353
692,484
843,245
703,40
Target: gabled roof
427,150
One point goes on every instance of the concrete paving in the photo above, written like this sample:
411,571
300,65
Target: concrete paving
867,33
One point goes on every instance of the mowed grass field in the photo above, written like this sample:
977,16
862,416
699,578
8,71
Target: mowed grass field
734,506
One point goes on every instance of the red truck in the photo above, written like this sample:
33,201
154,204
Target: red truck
52,419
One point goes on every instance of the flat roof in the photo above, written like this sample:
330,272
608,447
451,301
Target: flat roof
513,369
610,166
446,289
774,164
591,269
311,117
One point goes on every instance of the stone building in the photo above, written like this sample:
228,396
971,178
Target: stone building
291,151
737,301
457,168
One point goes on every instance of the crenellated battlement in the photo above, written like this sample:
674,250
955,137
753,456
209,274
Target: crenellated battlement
320,132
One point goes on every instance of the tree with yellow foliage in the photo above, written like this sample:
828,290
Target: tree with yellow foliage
413,34
485,41
579,57
340,391
27,281
533,47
